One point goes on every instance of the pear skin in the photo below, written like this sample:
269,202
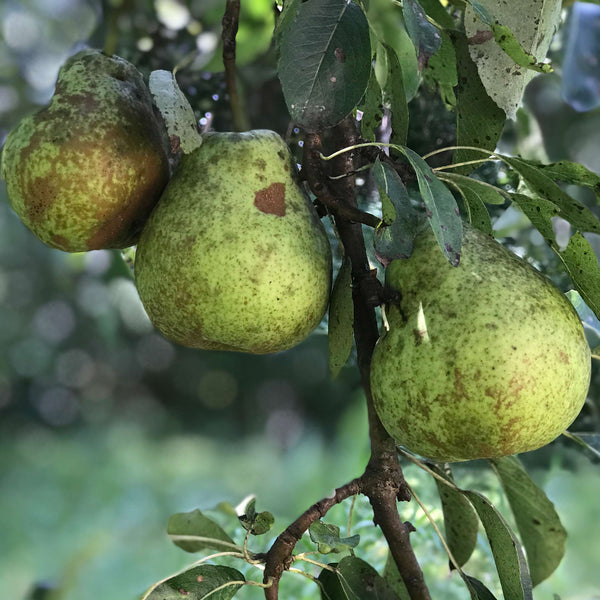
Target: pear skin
85,172
234,256
483,360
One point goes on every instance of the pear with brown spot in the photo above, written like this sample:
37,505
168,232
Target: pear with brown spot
483,360
85,172
234,256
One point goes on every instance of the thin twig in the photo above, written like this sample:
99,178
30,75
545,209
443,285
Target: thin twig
279,556
229,31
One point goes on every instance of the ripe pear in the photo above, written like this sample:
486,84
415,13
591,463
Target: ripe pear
482,360
234,256
84,172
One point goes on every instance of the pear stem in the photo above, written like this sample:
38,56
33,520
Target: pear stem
230,24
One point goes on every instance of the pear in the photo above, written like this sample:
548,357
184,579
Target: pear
483,360
234,256
84,172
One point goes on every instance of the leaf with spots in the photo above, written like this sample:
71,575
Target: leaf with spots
424,35
538,523
441,207
569,172
372,109
507,40
324,61
396,239
506,549
360,581
460,520
341,319
578,257
216,582
193,532
570,209
179,117
479,121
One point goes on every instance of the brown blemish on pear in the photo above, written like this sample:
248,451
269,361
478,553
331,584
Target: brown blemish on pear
271,200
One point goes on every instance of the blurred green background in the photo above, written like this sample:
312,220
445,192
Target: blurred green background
106,428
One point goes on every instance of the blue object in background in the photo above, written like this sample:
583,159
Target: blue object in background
581,66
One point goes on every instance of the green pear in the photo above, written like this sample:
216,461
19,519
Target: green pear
234,256
85,172
483,360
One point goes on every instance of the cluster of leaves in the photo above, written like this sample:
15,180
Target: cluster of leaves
337,57
350,577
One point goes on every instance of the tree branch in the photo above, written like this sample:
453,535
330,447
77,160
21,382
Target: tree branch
279,556
230,24
382,482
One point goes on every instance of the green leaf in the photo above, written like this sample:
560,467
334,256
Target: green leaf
581,264
424,35
197,583
394,95
327,537
438,13
395,240
325,62
479,121
360,581
538,523
441,207
389,29
285,18
578,257
341,319
570,209
178,115
589,441
194,524
477,589
257,523
506,550
488,194
394,579
442,70
590,321
330,586
524,30
372,109
476,211
460,520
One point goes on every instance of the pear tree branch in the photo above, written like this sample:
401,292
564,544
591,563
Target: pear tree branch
230,23
382,481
